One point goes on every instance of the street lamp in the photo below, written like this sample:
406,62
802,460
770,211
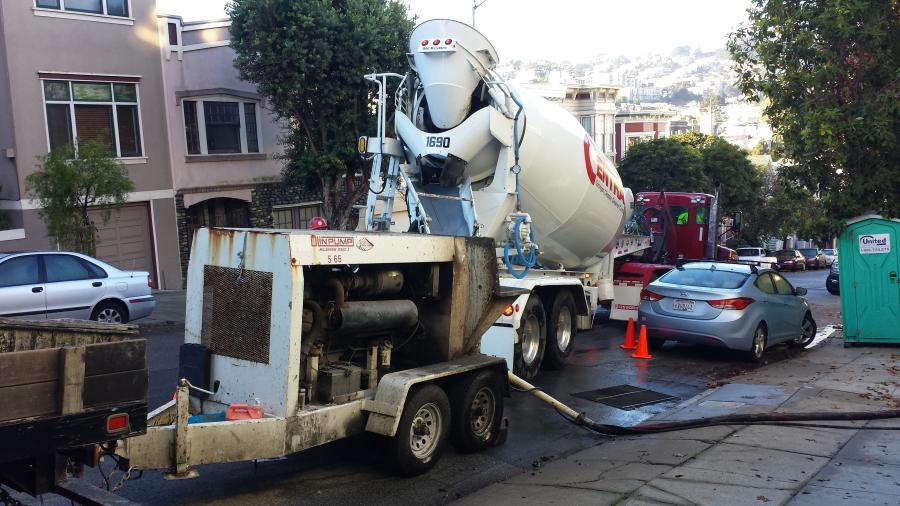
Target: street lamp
476,4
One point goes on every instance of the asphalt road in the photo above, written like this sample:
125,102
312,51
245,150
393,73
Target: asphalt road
351,471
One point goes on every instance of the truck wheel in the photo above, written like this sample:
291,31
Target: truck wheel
562,328
529,351
477,411
422,431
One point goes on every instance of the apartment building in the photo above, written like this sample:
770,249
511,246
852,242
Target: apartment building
594,106
76,70
636,124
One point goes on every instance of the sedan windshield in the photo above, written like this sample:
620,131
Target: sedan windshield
809,252
747,252
785,253
705,278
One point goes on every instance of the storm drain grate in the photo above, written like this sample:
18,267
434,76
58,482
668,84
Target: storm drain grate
625,396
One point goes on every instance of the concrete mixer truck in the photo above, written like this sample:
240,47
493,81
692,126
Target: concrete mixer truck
474,155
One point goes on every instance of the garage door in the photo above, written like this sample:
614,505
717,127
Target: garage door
125,241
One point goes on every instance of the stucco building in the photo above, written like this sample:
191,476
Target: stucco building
76,70
635,124
594,106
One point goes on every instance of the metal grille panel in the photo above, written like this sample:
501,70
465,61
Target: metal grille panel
237,312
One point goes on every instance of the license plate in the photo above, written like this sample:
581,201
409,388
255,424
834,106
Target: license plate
683,305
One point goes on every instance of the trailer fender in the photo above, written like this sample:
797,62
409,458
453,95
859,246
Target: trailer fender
390,397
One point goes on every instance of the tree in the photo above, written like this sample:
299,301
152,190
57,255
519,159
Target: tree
663,165
724,162
828,71
308,59
66,188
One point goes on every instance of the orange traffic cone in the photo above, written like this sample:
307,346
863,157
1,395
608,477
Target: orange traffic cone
629,343
642,351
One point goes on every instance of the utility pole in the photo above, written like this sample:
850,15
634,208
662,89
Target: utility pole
476,4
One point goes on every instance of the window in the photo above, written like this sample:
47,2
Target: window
679,214
782,285
700,216
705,278
20,271
295,217
82,111
586,123
118,8
214,126
764,283
173,34
68,268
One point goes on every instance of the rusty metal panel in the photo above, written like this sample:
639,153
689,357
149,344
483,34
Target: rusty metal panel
237,312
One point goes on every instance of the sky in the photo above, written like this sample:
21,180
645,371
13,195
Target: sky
564,30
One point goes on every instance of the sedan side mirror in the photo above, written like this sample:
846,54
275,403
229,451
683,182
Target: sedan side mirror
799,291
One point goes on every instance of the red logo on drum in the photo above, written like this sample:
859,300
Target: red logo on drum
599,173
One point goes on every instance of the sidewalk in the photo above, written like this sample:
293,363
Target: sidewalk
737,465
169,309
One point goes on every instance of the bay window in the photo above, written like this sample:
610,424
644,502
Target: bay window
103,111
220,125
118,8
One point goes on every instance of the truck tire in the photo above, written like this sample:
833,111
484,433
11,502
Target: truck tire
561,330
532,339
476,404
422,431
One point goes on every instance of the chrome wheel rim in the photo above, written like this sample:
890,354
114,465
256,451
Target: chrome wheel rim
759,342
531,338
807,332
564,328
481,413
425,431
109,315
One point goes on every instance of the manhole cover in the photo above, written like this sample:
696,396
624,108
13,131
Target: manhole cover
625,396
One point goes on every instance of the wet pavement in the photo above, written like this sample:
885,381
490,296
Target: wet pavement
351,472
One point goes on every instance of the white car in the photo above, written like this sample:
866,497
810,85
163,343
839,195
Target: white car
41,285
830,256
757,256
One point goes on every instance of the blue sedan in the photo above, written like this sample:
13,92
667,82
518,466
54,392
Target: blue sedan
735,306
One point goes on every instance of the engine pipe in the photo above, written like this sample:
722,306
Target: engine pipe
374,315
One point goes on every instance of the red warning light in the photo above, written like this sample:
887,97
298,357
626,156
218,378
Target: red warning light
436,42
448,42
425,42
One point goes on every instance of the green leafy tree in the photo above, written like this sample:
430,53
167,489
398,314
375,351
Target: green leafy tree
728,164
66,188
308,59
828,73
664,165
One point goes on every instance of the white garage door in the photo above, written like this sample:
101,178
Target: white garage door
125,241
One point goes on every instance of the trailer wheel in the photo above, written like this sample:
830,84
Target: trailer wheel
422,432
562,328
477,411
529,350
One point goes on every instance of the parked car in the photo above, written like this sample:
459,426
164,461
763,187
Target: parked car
790,260
815,259
830,256
50,284
736,306
758,256
831,282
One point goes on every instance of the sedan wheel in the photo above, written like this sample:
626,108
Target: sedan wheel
758,346
109,312
807,332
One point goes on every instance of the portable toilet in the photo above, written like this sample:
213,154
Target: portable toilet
869,252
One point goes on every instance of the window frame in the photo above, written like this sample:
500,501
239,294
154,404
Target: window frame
113,104
590,119
201,124
88,266
40,267
104,10
773,276
768,279
294,210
